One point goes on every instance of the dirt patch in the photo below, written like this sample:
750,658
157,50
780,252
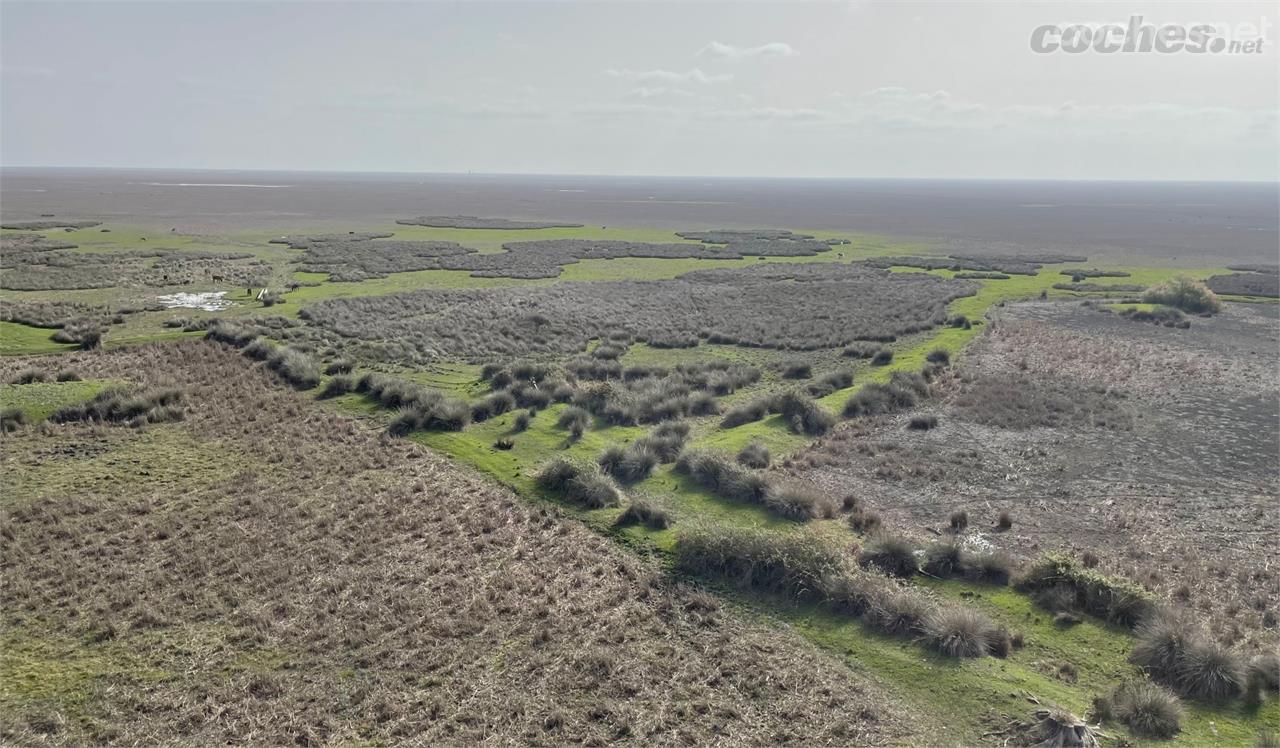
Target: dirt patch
1182,497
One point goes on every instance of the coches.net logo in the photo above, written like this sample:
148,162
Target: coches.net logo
1140,37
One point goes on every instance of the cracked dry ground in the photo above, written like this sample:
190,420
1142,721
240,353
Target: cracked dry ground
267,572
1153,448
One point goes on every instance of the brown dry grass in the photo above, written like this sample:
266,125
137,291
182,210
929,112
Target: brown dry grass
275,574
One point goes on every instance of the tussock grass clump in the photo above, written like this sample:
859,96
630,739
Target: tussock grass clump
123,404
340,366
793,564
903,390
798,501
959,632
898,612
67,375
720,475
803,415
649,511
797,370
582,485
666,441
754,455
752,410
11,419
830,382
939,356
1147,709
944,559
1186,294
882,357
925,422
573,418
1172,649
1118,600
30,376
522,421
338,385
891,554
294,367
492,405
631,464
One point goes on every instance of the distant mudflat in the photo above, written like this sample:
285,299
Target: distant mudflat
472,222
1201,224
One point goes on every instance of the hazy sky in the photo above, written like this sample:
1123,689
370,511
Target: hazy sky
857,89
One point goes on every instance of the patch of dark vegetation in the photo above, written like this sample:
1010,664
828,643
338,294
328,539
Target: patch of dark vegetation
748,412
803,415
1146,708
975,275
768,305
649,511
1246,284
630,464
902,391
1023,401
46,224
1009,265
1177,652
722,476
1184,294
754,455
947,558
863,350
336,386
584,486
797,370
892,554
294,367
1112,599
37,265
11,419
830,382
356,260
802,567
1164,316
133,405
923,422
1079,274
1100,288
472,222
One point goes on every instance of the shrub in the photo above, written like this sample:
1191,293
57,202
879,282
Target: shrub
721,476
1209,671
939,356
898,612
258,349
11,419
1264,672
830,382
863,521
923,422
944,559
119,405
67,376
803,415
1185,294
521,421
573,418
753,410
754,455
294,367
667,440
555,475
891,554
492,405
959,632
338,385
1147,709
592,489
341,366
958,520
30,376
647,511
1116,600
1004,521
504,443
882,357
630,465
798,501
993,568
794,564
797,370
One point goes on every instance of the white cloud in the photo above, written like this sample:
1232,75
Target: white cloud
668,77
730,52
649,92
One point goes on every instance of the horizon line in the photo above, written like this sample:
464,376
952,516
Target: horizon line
571,175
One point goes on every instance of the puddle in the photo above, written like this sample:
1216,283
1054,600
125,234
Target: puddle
210,301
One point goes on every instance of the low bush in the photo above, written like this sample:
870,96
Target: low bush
830,382
891,554
583,486
666,441
1186,294
803,415
882,357
754,455
797,370
521,421
121,405
898,612
67,376
631,464
1176,652
939,356
30,376
752,410
573,418
338,385
798,501
648,511
1118,600
1147,709
793,564
294,367
341,366
492,405
11,419
504,443
923,422
960,632
958,521
720,475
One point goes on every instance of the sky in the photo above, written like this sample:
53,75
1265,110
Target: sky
802,89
